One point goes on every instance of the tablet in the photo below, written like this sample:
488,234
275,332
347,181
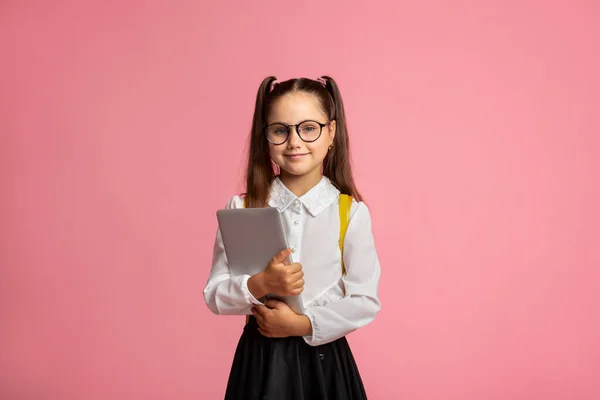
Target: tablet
251,237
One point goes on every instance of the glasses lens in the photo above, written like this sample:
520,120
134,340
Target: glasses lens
309,131
277,133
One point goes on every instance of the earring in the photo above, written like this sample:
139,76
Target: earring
276,168
331,146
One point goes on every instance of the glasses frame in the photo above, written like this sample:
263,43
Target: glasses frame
297,129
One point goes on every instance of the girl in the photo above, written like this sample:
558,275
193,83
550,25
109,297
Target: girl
299,162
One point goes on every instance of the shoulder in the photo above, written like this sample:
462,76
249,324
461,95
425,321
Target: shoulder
236,201
360,213
357,206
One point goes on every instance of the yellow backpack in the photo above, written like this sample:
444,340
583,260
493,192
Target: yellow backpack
345,206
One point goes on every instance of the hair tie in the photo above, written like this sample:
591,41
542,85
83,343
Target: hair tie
275,82
322,81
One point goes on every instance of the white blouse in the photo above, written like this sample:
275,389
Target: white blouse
312,226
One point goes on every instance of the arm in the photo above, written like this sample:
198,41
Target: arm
360,304
226,294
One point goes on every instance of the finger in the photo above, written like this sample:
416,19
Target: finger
294,268
261,321
292,291
296,276
272,303
260,310
281,256
297,290
264,332
262,326
259,317
298,284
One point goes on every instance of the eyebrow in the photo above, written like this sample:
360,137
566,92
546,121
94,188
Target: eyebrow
302,120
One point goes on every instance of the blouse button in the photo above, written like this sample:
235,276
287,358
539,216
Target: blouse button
293,249
295,203
296,222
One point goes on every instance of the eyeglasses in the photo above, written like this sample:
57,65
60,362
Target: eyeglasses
309,131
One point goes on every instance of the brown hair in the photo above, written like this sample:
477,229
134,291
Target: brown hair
336,165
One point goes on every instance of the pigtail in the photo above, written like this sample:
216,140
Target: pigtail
337,165
259,174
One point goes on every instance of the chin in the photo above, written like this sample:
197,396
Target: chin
297,170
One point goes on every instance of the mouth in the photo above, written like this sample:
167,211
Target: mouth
295,156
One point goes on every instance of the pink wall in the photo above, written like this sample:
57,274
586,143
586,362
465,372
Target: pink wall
475,131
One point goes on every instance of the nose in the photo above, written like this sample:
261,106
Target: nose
293,138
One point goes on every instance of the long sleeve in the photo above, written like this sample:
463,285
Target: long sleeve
360,304
225,294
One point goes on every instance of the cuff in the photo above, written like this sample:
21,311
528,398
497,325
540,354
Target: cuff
249,297
313,339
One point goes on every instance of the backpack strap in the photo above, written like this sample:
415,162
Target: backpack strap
345,206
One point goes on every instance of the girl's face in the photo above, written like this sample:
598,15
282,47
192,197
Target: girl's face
296,157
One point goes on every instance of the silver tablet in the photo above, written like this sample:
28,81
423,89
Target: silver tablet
251,237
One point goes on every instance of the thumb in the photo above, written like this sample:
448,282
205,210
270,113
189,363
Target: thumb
282,255
272,303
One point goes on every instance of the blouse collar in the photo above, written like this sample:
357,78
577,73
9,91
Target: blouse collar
315,200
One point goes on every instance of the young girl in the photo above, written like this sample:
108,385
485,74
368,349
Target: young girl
299,163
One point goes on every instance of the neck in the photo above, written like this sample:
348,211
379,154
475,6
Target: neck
299,185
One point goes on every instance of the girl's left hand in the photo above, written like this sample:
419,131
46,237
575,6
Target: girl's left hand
277,320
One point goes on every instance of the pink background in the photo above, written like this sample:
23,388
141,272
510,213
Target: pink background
475,128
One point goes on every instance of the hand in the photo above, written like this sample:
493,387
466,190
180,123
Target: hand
277,320
278,278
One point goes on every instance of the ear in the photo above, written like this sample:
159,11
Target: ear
332,130
276,168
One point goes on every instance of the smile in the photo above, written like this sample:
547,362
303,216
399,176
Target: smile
295,156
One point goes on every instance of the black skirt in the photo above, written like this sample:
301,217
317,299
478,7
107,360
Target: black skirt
289,369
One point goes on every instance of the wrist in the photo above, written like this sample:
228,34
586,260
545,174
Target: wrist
303,326
256,285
